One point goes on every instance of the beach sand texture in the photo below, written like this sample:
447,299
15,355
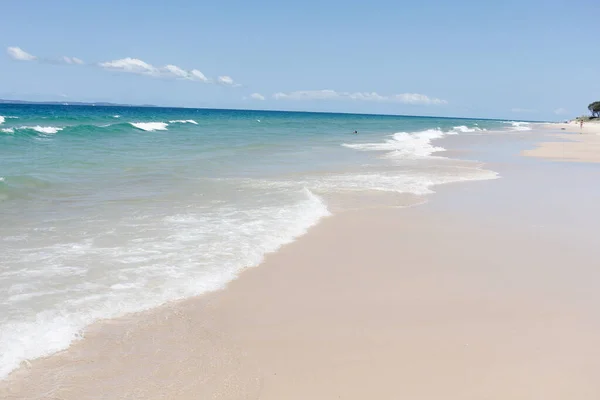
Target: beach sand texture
580,148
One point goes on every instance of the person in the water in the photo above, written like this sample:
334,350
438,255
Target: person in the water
356,132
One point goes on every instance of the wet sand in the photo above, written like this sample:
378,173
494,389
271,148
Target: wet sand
488,291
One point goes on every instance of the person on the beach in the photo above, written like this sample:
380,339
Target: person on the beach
580,125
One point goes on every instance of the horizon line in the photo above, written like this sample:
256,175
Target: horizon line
17,102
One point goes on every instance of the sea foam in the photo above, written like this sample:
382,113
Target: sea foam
188,254
466,129
4,118
519,126
183,121
415,182
404,144
48,130
150,126
416,148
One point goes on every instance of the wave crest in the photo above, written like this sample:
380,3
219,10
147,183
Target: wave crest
519,125
183,121
466,129
47,130
404,144
150,126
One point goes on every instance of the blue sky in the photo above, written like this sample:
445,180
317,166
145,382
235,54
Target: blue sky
527,59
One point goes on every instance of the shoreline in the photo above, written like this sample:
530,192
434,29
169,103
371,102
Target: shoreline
579,145
338,302
414,190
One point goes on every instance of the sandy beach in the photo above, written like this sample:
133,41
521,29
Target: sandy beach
488,291
584,147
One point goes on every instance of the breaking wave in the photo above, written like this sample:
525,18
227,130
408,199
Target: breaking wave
405,144
183,121
150,126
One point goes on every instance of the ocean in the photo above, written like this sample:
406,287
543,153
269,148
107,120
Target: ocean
111,210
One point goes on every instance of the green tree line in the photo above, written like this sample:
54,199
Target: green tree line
595,109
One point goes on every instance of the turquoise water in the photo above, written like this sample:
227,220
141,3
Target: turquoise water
109,210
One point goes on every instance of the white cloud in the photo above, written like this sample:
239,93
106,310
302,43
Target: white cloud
19,54
522,110
226,80
128,64
198,76
308,95
176,71
257,96
406,98
73,60
560,111
137,66
416,98
131,65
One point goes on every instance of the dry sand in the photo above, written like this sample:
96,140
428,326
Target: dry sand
439,301
584,147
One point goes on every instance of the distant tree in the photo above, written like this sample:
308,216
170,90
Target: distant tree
595,109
